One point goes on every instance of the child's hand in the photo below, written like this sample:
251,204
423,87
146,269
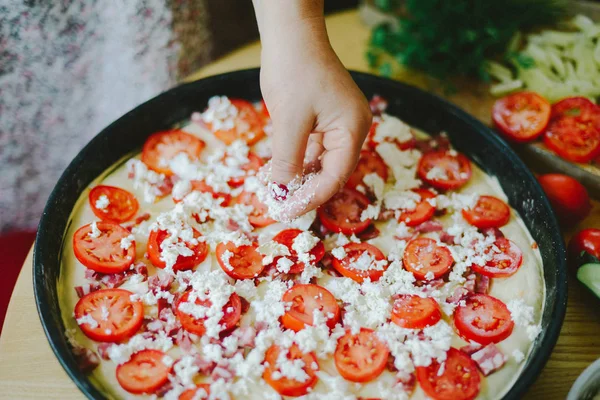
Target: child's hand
317,110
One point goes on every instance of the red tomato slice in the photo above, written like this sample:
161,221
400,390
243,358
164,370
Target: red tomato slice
454,170
258,217
423,255
569,198
457,378
415,312
117,317
183,263
248,125
160,148
488,212
574,107
483,319
200,392
122,205
368,163
352,265
203,187
232,313
144,373
341,214
286,237
361,357
522,117
244,262
287,386
304,300
423,212
250,168
503,264
103,253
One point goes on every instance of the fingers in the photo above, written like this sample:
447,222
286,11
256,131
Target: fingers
290,134
314,150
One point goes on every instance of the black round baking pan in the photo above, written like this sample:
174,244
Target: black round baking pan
420,109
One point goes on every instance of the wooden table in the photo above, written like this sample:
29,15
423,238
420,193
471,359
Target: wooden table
29,370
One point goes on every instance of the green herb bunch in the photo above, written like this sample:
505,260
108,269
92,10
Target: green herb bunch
455,37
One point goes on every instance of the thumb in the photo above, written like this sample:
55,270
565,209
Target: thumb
290,135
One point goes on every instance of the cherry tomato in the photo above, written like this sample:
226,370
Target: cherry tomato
258,217
103,253
304,299
232,313
522,117
121,207
247,126
183,263
457,378
443,170
488,212
243,262
286,237
354,266
483,319
200,392
288,386
161,147
203,187
423,212
361,357
587,240
569,198
503,264
574,130
250,168
368,163
423,255
414,312
117,317
342,213
144,373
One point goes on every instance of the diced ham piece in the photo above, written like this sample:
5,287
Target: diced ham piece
103,350
86,359
142,269
489,359
164,389
459,293
90,274
408,383
378,105
160,282
141,218
86,289
205,367
232,225
470,283
435,284
222,372
370,233
165,187
386,215
245,305
445,237
327,260
390,363
439,142
471,348
482,284
497,233
245,336
429,226
261,326
108,280
182,339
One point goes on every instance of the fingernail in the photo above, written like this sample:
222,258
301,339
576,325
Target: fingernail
279,191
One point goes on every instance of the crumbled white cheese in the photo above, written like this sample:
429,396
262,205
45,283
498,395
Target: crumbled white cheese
437,173
520,313
392,128
102,203
120,353
303,244
127,241
95,233
220,114
304,221
518,356
89,320
181,188
402,163
339,253
395,199
145,179
272,249
284,264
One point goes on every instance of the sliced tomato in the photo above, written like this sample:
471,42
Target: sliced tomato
354,265
103,253
361,357
457,378
483,319
488,212
250,168
504,263
160,148
368,163
243,262
200,392
183,263
288,386
258,217
569,198
286,237
232,313
304,300
247,125
423,212
414,312
144,373
522,116
451,170
341,214
203,187
117,317
122,205
423,255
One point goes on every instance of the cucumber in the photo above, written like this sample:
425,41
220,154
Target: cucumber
589,275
